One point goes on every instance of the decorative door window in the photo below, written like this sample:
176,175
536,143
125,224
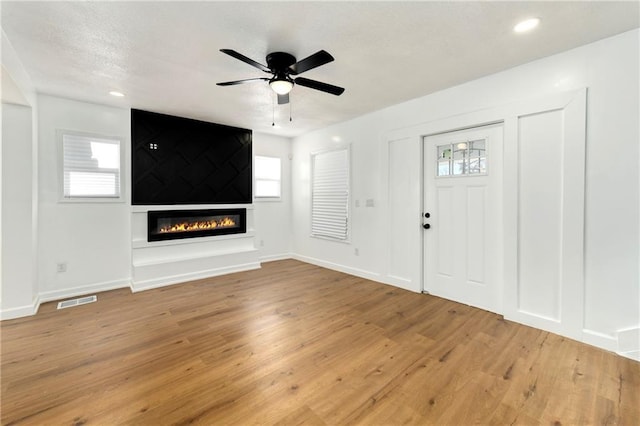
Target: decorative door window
462,158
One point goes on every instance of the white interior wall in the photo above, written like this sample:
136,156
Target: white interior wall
83,235
18,230
20,81
92,238
18,188
367,223
273,217
608,68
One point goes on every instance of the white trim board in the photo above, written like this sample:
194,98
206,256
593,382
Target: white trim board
53,295
149,284
275,257
49,296
20,311
373,276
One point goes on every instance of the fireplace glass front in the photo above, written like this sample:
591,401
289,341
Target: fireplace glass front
177,224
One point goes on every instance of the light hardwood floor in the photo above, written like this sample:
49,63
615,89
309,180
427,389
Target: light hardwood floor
293,343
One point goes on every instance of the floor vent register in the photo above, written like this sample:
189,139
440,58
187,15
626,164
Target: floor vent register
77,302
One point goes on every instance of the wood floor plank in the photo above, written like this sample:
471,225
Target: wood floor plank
293,343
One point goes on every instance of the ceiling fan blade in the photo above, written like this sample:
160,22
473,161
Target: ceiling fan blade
318,85
283,99
317,59
243,58
248,80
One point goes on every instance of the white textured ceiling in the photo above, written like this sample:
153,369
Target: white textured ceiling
165,55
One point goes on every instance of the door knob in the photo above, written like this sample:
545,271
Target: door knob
426,226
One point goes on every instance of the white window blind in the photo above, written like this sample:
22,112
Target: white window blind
91,166
330,194
267,177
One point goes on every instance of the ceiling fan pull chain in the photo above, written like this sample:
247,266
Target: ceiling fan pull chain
290,119
273,111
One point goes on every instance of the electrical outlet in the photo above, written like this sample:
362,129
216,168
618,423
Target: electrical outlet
356,251
261,243
61,267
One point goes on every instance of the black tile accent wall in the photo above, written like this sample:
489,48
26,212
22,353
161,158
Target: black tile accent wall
178,160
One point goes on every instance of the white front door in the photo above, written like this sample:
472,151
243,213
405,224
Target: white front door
463,216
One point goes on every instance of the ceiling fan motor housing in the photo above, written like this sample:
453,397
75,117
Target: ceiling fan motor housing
278,62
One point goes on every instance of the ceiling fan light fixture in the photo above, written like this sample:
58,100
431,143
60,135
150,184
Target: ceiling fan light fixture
281,86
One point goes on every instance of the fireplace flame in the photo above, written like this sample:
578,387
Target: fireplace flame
225,222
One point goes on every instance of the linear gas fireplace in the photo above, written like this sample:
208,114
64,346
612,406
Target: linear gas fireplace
176,224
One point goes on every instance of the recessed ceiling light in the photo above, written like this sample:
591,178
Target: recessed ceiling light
117,94
526,25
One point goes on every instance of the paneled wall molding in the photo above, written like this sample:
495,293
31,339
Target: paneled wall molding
486,116
561,308
629,342
601,340
625,342
544,213
403,233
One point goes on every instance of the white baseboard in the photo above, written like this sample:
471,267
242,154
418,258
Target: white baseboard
274,257
20,311
601,340
48,296
402,283
634,355
629,343
374,276
137,286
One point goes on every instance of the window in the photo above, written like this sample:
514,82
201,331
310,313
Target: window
463,158
330,194
90,166
267,177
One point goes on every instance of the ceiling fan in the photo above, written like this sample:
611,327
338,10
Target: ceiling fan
282,66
